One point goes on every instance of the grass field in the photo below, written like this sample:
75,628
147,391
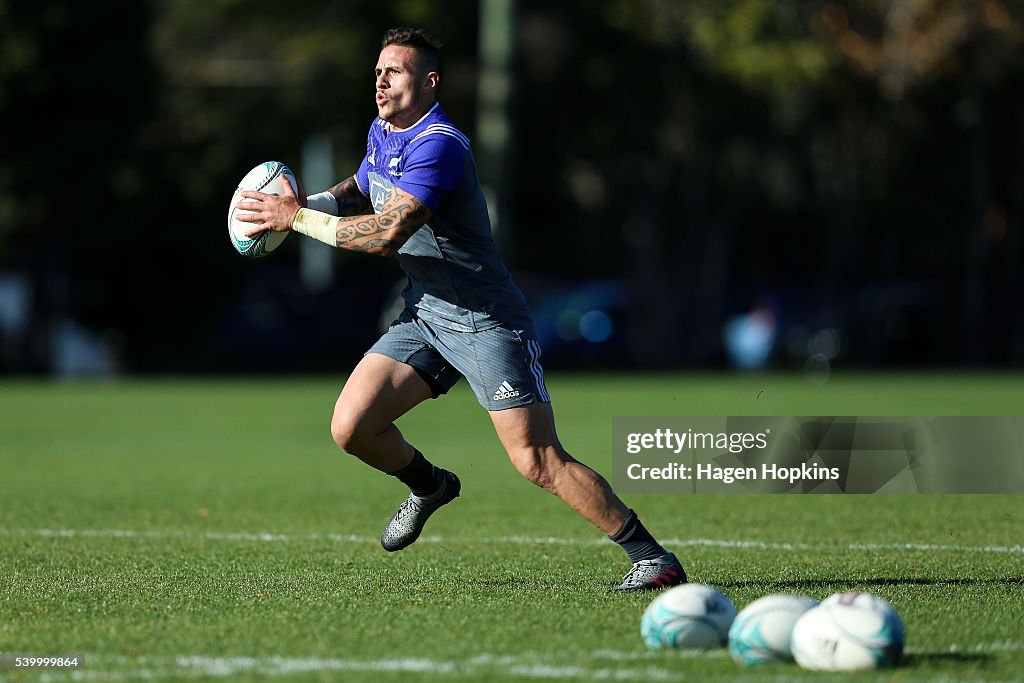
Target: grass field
210,530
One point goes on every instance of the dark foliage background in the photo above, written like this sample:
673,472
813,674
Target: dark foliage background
853,169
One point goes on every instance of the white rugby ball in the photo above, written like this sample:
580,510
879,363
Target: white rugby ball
848,631
692,616
267,178
762,630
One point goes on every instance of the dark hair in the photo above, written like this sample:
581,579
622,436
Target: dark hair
419,39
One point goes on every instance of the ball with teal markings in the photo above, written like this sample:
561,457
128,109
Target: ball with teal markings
849,631
268,178
762,631
692,616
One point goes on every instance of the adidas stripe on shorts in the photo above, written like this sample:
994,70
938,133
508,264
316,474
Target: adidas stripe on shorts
501,364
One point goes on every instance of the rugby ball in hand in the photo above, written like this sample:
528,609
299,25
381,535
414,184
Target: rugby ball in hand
268,178
848,631
692,616
762,630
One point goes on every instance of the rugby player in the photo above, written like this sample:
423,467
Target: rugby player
416,196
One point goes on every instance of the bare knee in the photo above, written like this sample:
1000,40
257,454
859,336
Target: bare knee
347,433
539,465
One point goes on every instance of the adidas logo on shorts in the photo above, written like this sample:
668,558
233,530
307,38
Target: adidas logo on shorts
505,391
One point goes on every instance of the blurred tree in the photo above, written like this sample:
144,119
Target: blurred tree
75,86
747,148
944,72
862,160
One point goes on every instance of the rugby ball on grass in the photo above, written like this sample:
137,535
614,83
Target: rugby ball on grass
762,630
268,178
848,631
692,616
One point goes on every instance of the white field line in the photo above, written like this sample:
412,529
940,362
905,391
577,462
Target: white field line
266,537
1002,646
477,667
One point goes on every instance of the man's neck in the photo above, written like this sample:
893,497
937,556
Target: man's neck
411,120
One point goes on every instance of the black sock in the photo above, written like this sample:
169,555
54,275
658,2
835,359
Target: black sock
420,476
637,540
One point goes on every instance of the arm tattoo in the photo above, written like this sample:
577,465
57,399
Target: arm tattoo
386,232
351,200
374,244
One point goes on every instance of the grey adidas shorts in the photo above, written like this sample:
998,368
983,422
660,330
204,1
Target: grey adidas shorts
502,365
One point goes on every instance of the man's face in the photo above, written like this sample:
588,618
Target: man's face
404,92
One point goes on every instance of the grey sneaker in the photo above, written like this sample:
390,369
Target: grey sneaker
662,572
405,527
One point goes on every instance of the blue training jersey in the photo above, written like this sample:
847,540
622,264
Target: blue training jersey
457,279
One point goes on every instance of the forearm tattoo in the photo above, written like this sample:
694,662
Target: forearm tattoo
351,200
386,232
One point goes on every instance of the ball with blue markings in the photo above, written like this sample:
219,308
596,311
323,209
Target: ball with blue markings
692,616
762,631
849,631
267,178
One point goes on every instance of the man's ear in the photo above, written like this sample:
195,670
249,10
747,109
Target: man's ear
432,80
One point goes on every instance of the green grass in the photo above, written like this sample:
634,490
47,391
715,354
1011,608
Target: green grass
133,518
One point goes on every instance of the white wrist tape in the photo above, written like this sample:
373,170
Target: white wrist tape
318,225
323,201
